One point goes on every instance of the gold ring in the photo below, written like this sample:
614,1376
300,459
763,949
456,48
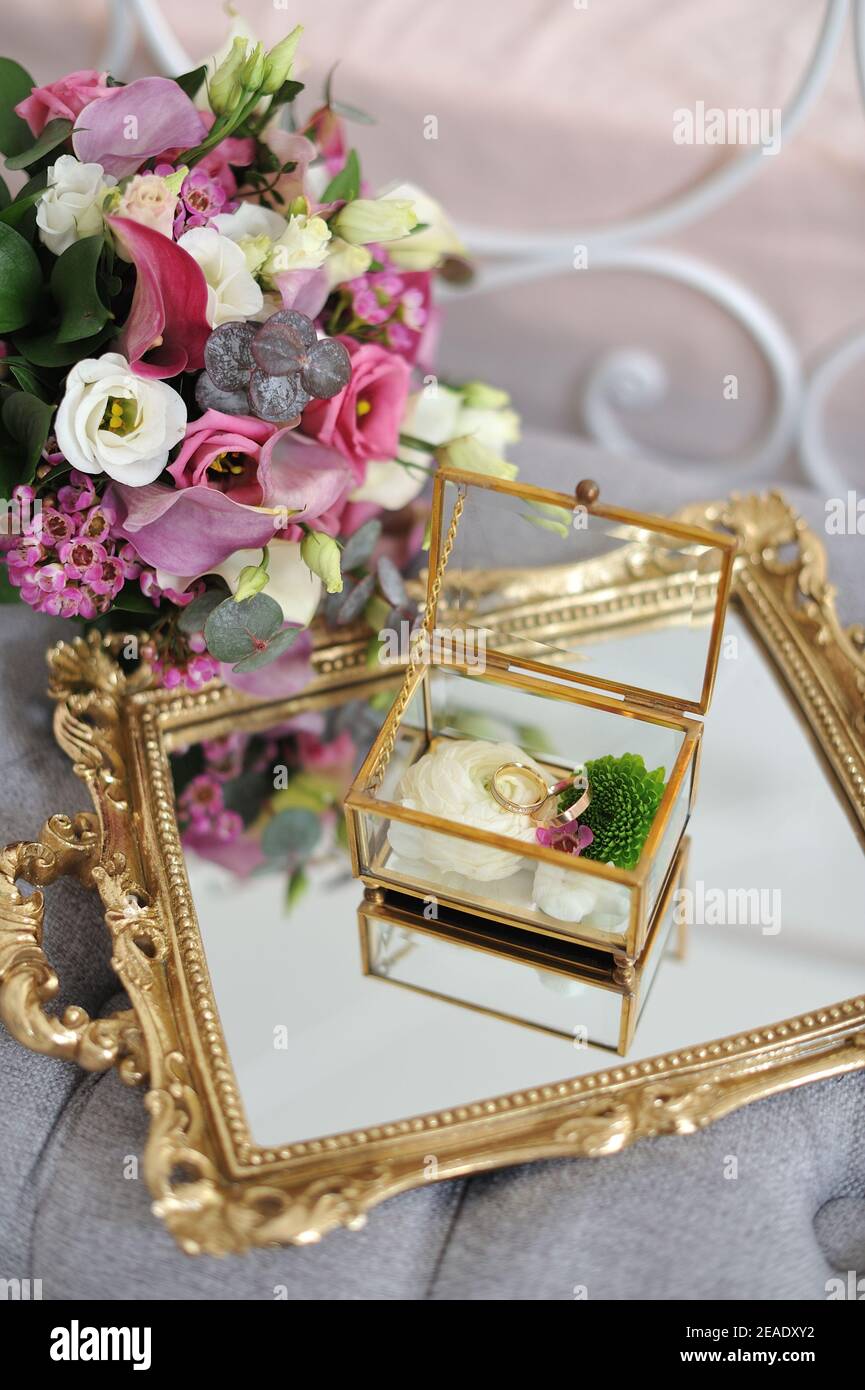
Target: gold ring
580,782
522,808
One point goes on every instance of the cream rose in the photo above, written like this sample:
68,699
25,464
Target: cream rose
453,780
112,421
150,200
232,292
71,206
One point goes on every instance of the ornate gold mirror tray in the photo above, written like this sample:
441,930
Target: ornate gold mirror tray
309,1050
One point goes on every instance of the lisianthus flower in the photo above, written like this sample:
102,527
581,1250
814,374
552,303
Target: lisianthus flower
232,292
134,123
193,530
223,452
64,99
112,421
425,249
363,420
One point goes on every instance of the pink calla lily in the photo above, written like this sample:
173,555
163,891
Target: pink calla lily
133,123
194,529
167,321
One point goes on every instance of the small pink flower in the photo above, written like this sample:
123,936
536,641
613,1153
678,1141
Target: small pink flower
64,99
314,753
79,555
570,839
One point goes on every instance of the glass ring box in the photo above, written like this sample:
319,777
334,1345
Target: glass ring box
591,654
592,998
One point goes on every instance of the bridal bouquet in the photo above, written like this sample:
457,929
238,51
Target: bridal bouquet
218,407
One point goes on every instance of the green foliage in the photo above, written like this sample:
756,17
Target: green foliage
625,797
20,281
290,832
15,84
345,185
27,420
248,634
190,82
74,287
56,132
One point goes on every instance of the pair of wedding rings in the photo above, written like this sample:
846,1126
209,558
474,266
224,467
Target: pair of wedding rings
578,781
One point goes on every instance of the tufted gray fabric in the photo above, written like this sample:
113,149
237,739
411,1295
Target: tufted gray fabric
659,1221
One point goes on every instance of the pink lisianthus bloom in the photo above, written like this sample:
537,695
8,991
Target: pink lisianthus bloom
316,754
64,99
223,452
362,422
327,130
230,154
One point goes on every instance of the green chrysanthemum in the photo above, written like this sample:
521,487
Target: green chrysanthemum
625,797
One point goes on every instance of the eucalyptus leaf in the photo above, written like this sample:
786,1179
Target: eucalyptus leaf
73,285
391,582
360,546
54,134
276,646
290,832
20,280
355,600
194,616
15,84
234,631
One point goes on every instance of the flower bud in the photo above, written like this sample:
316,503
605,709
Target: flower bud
225,86
277,64
469,456
251,580
320,553
480,396
252,72
367,220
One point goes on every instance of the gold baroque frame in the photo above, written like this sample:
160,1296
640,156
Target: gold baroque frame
215,1190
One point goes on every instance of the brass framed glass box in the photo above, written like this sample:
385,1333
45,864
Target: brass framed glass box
572,675
592,998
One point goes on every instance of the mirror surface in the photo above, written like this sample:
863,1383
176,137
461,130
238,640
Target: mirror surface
776,876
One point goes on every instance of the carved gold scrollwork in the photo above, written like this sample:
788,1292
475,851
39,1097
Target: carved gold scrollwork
67,846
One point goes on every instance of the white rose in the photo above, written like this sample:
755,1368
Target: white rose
232,292
296,589
563,892
71,206
302,246
390,484
424,250
150,419
453,780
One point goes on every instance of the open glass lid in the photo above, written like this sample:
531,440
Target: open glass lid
631,603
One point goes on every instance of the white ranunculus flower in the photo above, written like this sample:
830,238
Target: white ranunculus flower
390,484
453,780
296,589
71,206
566,894
302,246
232,292
112,421
424,250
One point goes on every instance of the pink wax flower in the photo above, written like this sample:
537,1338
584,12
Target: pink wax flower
64,99
570,839
201,197
223,452
392,308
362,422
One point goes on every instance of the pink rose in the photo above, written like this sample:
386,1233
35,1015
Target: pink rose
66,98
222,452
362,422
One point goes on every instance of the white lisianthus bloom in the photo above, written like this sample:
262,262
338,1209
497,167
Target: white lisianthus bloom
250,220
468,455
439,414
453,781
71,206
390,484
290,581
494,429
432,414
424,249
302,246
112,421
232,292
